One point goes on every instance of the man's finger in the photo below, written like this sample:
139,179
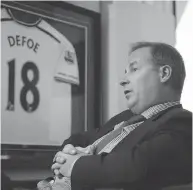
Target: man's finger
58,154
56,166
86,150
69,149
56,172
82,150
92,149
60,159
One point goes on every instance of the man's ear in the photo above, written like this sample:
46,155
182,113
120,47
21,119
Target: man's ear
165,73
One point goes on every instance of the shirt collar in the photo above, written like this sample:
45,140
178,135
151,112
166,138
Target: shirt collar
158,108
150,112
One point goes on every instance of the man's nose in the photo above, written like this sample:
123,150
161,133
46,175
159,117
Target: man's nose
124,81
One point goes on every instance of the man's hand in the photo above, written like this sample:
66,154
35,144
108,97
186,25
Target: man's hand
65,168
70,149
61,156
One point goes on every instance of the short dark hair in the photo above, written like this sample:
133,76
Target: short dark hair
165,54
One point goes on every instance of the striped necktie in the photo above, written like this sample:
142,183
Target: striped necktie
113,134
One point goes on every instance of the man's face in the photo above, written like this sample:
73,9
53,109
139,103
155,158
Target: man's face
141,81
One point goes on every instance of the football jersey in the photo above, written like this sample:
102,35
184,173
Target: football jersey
35,107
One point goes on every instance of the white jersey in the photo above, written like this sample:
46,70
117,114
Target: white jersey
36,108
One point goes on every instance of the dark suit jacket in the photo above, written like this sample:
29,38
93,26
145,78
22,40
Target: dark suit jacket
158,153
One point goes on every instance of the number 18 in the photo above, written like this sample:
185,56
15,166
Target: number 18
28,86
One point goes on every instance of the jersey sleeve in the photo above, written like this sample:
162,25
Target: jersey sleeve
66,61
67,66
4,14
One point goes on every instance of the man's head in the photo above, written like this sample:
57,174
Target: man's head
155,74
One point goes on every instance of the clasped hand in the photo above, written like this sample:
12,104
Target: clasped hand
65,159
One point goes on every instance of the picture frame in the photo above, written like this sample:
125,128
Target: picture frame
82,28
27,162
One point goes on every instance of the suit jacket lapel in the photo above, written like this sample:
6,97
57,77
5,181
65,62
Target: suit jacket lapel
109,126
138,134
150,124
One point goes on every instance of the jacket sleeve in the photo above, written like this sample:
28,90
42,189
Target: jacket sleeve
164,153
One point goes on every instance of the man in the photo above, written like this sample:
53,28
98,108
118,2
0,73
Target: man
150,151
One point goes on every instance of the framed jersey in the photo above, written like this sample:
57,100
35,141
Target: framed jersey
49,70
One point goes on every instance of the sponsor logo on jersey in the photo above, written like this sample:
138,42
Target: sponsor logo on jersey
69,57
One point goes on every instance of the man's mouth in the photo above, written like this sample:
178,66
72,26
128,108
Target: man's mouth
127,92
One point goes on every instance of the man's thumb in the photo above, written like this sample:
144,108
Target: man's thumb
81,149
69,149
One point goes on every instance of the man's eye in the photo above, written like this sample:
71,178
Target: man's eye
134,69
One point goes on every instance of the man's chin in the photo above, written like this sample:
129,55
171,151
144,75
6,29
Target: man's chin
131,106
136,110
134,107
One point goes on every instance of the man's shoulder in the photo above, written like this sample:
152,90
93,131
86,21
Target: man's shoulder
177,119
174,113
176,122
180,113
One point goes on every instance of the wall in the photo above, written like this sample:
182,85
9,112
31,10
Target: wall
180,8
122,24
184,43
